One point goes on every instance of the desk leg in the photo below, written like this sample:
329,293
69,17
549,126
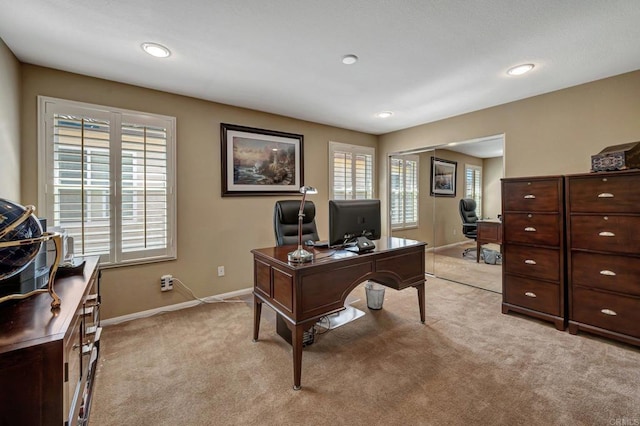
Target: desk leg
296,341
478,246
257,312
420,289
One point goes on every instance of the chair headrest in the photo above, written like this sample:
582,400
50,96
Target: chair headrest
287,211
468,204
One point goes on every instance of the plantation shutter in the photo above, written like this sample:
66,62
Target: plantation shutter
108,180
81,193
351,171
397,183
144,186
404,191
411,192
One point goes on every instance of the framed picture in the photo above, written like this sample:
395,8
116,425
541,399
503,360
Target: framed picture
260,162
443,177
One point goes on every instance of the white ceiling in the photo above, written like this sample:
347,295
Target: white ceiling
423,59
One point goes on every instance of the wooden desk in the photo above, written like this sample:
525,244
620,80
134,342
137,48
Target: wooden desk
489,231
303,293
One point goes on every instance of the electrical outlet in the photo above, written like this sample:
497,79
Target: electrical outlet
221,271
166,283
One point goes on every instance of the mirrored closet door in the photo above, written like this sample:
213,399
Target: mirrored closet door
425,205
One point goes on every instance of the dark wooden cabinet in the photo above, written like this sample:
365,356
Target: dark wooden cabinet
533,245
603,223
48,360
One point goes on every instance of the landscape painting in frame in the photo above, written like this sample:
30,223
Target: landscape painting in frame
260,162
443,177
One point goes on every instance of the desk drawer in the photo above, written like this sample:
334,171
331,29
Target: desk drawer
532,195
606,194
490,231
607,272
617,234
535,262
605,310
532,228
533,294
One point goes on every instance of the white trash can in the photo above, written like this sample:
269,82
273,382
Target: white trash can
375,295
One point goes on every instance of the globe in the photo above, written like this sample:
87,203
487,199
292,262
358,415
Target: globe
15,258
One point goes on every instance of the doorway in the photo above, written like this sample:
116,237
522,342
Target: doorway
479,166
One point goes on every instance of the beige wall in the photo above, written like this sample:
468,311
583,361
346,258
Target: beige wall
212,230
555,133
9,125
492,171
548,134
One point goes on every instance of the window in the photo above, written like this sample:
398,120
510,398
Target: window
404,191
473,185
351,171
108,180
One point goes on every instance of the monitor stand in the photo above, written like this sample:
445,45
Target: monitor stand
361,245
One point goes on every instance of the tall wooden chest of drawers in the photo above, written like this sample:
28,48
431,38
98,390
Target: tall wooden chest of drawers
603,238
533,271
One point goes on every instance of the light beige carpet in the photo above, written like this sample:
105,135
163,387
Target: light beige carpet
448,263
469,364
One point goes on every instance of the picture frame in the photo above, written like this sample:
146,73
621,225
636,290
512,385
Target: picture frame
443,177
260,162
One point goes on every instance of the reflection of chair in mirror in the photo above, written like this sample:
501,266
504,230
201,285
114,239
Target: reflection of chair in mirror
285,224
469,221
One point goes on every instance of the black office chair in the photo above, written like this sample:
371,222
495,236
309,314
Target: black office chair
469,219
285,222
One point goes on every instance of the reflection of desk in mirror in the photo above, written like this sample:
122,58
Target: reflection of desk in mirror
303,293
489,231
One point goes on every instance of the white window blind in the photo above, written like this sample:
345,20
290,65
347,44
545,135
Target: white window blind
351,171
404,191
473,185
108,180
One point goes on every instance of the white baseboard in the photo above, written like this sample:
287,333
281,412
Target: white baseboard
450,245
175,307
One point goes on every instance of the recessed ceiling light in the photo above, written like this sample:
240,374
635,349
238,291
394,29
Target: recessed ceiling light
155,49
349,59
520,69
384,114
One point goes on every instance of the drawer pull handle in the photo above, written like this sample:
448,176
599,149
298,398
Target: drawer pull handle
605,195
608,273
530,262
529,197
530,294
608,312
607,234
530,229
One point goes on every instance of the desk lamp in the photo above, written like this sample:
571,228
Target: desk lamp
301,255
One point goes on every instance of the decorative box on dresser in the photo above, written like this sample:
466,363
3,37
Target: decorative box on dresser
603,223
48,359
533,267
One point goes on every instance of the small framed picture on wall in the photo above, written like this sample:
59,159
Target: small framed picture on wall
443,177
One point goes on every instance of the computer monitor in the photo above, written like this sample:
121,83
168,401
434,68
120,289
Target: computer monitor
350,219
